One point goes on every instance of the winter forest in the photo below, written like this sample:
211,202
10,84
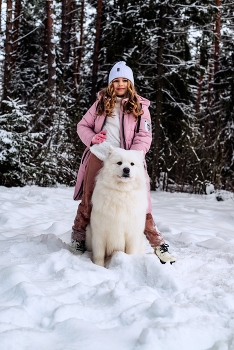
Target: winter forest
55,55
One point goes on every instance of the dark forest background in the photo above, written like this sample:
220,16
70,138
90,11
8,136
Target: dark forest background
56,55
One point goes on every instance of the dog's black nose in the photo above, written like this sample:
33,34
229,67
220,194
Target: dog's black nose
126,170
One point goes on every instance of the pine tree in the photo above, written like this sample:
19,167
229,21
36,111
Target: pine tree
17,145
97,46
58,55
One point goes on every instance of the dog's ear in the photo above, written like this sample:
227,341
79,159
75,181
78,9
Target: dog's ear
142,155
111,148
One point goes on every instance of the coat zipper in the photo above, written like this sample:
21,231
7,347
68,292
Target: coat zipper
79,191
138,124
104,122
124,141
84,156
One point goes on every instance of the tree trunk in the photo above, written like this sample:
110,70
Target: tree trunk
217,50
44,45
219,149
0,16
16,24
66,30
159,97
213,79
77,46
210,82
96,50
199,93
203,63
8,51
51,51
80,48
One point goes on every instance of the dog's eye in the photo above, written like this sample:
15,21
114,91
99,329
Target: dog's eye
132,164
119,163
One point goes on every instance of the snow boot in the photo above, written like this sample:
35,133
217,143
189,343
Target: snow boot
163,254
77,247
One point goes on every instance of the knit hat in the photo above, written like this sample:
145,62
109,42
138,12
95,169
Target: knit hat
120,70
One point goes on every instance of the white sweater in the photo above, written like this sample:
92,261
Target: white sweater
112,128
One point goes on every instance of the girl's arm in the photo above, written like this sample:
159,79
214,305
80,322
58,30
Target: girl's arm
143,132
85,128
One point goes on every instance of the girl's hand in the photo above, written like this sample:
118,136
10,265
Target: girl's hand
99,138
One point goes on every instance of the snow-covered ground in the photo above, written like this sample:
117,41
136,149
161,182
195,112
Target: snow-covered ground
53,300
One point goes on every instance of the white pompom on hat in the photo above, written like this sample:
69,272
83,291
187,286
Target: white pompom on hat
120,70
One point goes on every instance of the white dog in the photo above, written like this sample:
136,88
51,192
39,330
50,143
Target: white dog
119,206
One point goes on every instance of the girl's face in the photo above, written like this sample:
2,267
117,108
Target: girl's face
120,86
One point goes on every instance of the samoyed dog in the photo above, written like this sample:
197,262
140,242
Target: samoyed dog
119,206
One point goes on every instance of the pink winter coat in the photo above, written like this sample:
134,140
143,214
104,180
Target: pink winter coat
135,135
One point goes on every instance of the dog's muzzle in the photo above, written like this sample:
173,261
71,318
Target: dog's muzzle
126,172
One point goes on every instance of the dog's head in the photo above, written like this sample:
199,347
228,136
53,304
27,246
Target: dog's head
123,166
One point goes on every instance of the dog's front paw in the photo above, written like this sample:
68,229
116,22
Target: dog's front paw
99,261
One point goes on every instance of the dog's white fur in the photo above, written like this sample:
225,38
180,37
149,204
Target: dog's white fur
119,206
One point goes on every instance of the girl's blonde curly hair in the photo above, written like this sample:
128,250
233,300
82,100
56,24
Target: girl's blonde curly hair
107,101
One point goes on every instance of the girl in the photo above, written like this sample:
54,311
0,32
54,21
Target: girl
119,118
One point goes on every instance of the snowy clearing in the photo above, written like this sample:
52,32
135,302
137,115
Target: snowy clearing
51,299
